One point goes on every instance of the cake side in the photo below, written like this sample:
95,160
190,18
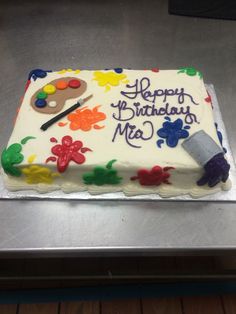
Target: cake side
127,137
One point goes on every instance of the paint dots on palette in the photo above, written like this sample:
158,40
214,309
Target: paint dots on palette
61,85
42,95
52,104
40,103
74,83
50,89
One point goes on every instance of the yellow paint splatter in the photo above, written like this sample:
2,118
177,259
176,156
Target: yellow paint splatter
31,158
109,79
37,174
62,71
68,70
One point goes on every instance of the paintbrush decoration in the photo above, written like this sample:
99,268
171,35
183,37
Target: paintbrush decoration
61,115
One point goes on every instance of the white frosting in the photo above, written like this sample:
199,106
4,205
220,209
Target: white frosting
129,159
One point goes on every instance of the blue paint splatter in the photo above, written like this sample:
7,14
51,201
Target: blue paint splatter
159,143
220,137
38,73
118,70
172,132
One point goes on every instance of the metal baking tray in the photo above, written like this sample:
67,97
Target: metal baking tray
222,196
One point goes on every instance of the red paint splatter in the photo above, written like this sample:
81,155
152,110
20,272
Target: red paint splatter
85,149
17,113
208,99
155,70
53,159
53,140
155,176
69,151
27,85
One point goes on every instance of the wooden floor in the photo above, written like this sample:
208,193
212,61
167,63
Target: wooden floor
185,305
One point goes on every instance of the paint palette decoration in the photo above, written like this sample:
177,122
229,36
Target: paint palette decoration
136,131
51,97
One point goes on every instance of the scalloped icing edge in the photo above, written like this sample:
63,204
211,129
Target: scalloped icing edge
130,189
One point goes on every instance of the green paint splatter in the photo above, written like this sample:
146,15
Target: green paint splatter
190,71
11,156
102,175
26,139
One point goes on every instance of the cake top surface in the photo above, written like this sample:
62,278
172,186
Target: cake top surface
138,117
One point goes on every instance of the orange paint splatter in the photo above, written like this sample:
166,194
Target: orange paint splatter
62,123
85,119
97,127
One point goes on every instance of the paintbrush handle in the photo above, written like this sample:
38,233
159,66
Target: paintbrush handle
61,115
